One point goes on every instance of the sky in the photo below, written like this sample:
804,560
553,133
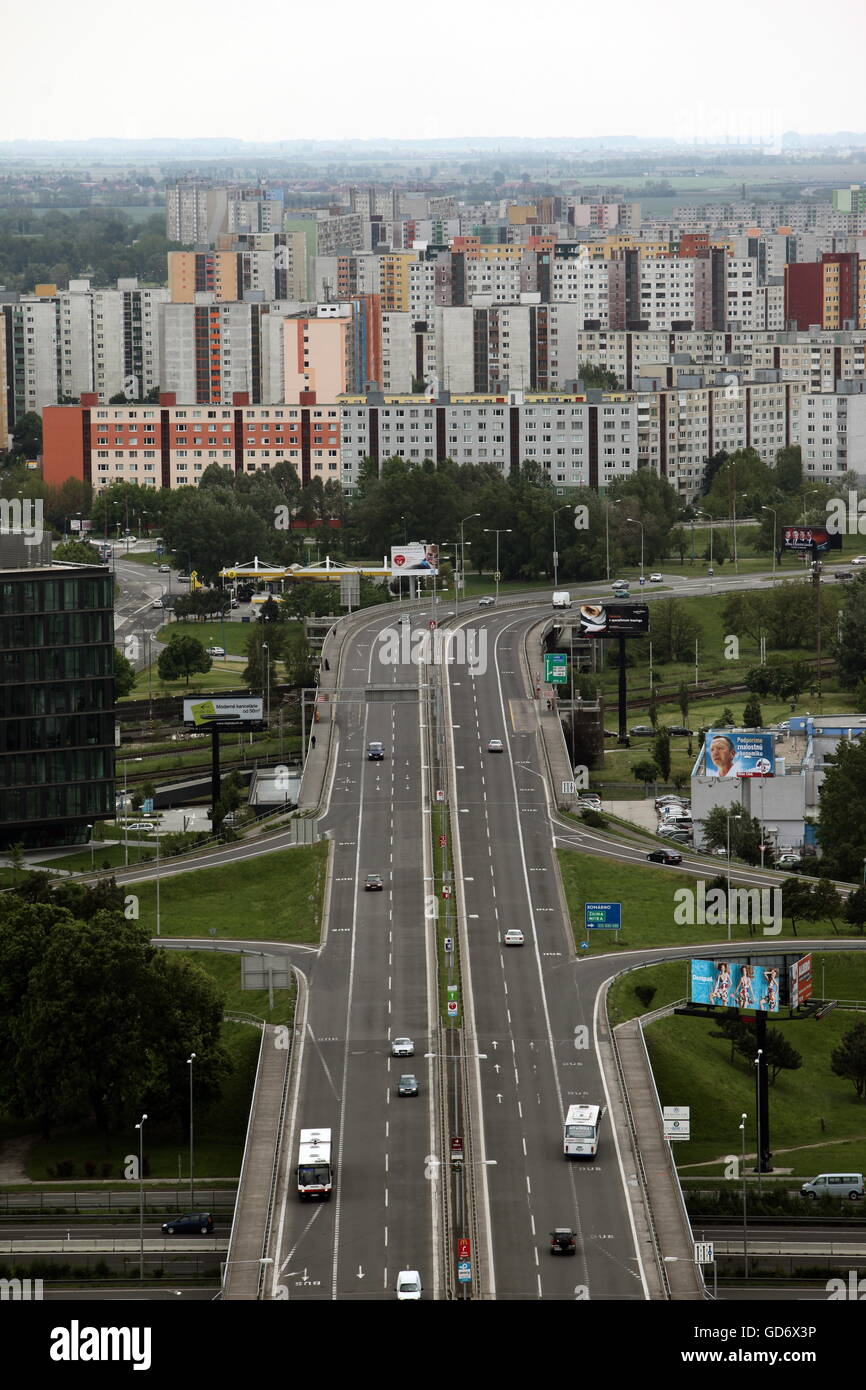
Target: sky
743,71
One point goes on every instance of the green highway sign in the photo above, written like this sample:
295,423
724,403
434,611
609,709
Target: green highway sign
555,668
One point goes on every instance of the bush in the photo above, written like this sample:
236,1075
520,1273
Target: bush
90,1169
595,819
65,1168
646,994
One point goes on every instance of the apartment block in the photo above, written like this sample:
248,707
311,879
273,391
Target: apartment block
833,433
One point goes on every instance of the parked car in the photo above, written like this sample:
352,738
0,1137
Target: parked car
402,1047
196,1221
143,825
373,882
669,800
513,937
664,856
679,730
640,730
487,601
407,1085
495,746
216,651
408,1286
655,579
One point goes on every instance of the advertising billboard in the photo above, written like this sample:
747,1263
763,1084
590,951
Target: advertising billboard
414,558
613,619
735,753
801,981
235,714
813,538
732,984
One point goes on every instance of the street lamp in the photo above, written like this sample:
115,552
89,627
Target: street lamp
140,1128
812,492
745,1245
708,518
758,1117
633,522
189,1061
266,648
157,879
555,551
497,531
734,496
463,556
732,815
775,533
90,830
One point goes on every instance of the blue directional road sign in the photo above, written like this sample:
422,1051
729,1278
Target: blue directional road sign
464,1271
602,916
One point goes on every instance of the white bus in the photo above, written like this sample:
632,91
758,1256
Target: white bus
314,1173
581,1131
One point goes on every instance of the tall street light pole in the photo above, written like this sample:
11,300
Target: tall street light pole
634,522
140,1128
463,556
737,815
157,880
745,1244
189,1061
497,531
775,534
555,551
267,659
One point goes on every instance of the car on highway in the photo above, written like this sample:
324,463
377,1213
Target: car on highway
664,856
842,1185
513,937
402,1047
216,651
196,1221
164,569
562,1241
495,746
407,1085
486,601
788,861
656,579
859,560
641,730
373,883
157,603
146,825
408,1286
375,752
844,574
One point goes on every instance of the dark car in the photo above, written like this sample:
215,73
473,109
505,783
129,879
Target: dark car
665,856
375,752
679,729
641,729
373,882
407,1085
562,1241
844,574
198,1222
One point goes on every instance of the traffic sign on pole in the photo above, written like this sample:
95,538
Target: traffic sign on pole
452,1008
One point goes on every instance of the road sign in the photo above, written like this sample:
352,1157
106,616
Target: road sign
464,1272
452,1008
556,668
602,916
676,1129
464,1248
497,576
704,1254
446,890
442,841
440,795
449,945
431,623
569,788
457,1148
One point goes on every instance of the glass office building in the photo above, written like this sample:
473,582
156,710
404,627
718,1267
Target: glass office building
56,703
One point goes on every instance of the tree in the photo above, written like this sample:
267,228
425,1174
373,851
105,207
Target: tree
645,771
124,675
27,436
683,701
598,378
645,994
842,825
730,1028
77,553
744,835
855,909
849,1059
182,657
16,860
261,667
652,708
674,630
779,1054
827,902
752,715
726,719
797,901
678,541
851,646
661,751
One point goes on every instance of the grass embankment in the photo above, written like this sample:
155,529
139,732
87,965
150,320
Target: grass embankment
814,1114
275,898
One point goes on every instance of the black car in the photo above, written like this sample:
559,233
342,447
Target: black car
375,752
665,856
198,1222
680,730
407,1085
373,882
642,729
562,1241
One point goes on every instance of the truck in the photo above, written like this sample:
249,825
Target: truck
562,599
314,1173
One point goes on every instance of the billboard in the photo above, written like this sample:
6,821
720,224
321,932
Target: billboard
813,538
235,714
613,619
735,753
801,981
414,558
732,984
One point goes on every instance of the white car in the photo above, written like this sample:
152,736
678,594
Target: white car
513,937
408,1286
488,600
157,603
142,825
402,1047
216,651
655,579
495,746
859,560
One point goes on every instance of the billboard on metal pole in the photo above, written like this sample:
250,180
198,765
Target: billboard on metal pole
613,620
414,558
735,753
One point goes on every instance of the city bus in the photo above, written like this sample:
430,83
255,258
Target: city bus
581,1131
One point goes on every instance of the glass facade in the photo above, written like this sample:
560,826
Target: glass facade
56,703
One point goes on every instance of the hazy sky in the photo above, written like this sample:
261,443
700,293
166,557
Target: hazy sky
741,70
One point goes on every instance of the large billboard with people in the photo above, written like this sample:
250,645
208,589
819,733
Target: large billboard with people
733,984
737,753
813,538
414,558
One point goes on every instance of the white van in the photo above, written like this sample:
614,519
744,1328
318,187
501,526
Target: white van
562,599
842,1185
